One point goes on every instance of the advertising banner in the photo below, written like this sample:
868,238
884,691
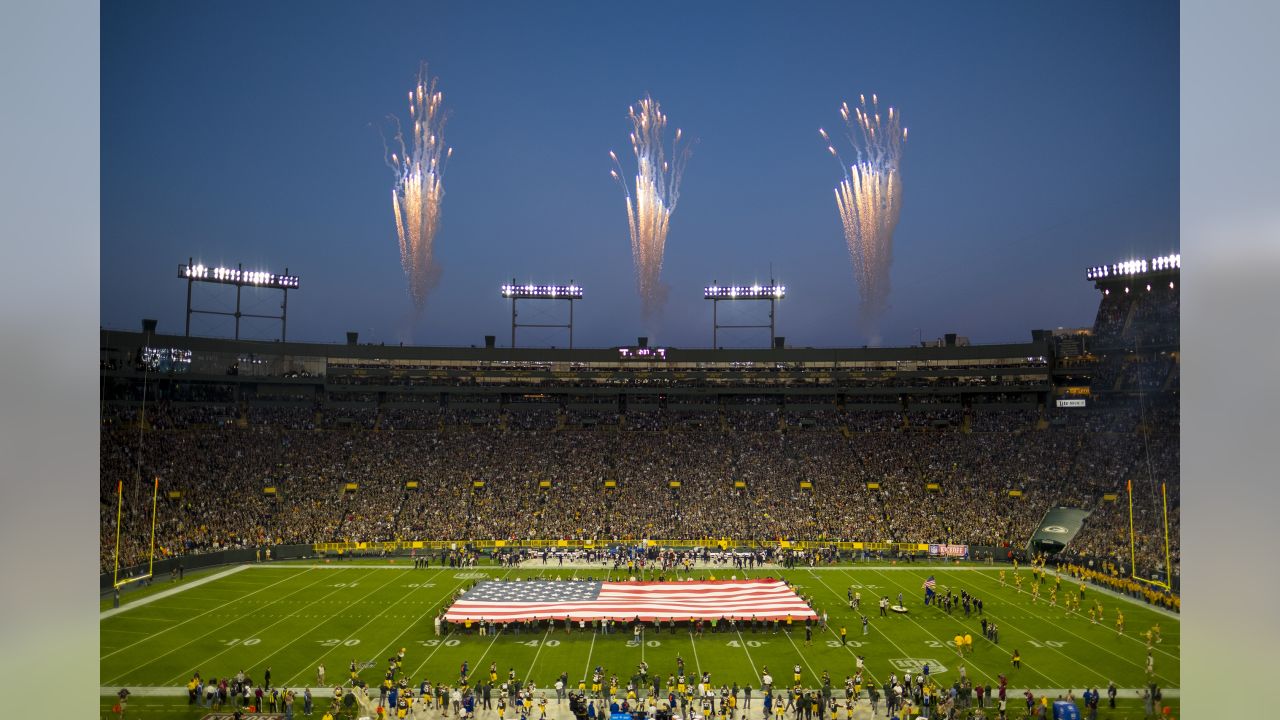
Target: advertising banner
956,551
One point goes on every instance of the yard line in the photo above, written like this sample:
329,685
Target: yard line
347,566
1121,596
1110,593
960,654
696,663
865,668
205,663
447,635
174,691
1100,647
171,650
641,642
803,659
592,648
551,624
431,654
886,635
480,662
180,608
348,637
168,593
1097,646
535,655
394,642
197,617
743,642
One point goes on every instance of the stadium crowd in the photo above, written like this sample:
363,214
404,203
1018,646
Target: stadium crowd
219,468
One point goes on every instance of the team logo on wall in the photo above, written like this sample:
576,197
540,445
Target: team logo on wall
1056,529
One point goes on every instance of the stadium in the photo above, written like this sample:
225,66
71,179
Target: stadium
948,526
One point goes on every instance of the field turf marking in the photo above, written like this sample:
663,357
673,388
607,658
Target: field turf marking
447,635
1061,652
587,670
551,624
805,660
168,593
396,640
959,654
540,644
1134,638
1082,615
743,642
328,618
865,668
202,636
258,631
886,635
696,663
431,654
591,650
345,566
175,691
1119,596
197,617
480,662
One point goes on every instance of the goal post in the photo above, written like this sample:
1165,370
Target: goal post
1133,555
151,555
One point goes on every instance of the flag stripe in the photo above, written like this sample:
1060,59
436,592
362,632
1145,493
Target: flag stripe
736,599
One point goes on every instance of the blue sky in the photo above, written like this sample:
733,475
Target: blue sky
1043,139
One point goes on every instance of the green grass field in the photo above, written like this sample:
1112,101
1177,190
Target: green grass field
293,616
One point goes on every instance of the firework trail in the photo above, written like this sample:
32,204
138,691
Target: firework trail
653,199
419,168
870,201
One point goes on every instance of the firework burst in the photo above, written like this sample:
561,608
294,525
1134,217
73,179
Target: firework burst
652,199
419,169
869,199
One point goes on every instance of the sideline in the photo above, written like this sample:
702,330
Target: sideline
170,592
287,565
181,691
1094,587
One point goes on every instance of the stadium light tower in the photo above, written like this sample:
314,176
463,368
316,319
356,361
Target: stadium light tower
240,278
531,291
717,293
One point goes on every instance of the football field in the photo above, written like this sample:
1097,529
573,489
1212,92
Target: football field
292,617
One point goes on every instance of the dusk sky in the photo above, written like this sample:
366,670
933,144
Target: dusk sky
1043,139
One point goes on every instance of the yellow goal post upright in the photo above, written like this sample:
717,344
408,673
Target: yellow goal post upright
151,559
1133,560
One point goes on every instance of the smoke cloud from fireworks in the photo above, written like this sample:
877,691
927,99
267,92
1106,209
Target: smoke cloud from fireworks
652,199
870,201
419,169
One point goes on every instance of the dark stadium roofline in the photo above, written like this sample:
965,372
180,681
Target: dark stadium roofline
132,339
1136,279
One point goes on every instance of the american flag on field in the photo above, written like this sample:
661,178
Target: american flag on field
930,583
502,601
